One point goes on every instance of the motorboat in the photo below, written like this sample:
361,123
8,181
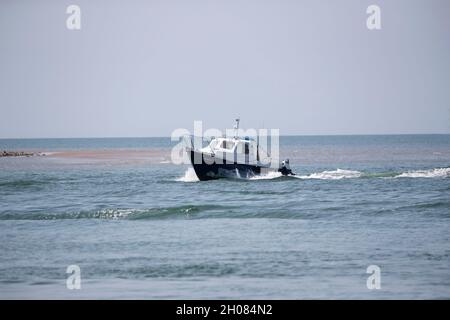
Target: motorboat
237,157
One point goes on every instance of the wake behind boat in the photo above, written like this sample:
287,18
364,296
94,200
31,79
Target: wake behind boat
233,157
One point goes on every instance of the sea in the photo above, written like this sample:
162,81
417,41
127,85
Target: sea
365,217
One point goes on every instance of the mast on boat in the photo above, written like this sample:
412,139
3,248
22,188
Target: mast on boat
236,129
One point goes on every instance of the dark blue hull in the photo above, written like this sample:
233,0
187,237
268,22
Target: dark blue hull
208,169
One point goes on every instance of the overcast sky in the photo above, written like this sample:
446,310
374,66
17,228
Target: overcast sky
145,68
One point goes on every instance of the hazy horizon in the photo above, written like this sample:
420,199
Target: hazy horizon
282,135
145,68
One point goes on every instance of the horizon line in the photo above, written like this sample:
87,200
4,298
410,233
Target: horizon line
284,135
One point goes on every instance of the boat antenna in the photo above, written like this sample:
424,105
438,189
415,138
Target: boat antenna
236,128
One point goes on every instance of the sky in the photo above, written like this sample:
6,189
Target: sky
146,68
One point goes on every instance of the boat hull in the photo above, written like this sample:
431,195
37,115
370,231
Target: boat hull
208,169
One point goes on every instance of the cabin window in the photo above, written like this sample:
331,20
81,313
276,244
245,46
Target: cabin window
247,148
227,144
243,148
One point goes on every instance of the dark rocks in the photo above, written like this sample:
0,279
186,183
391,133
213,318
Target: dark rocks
19,154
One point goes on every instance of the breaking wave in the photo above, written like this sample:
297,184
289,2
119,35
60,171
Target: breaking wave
338,174
432,173
189,176
332,175
349,174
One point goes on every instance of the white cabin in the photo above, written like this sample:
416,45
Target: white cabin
240,150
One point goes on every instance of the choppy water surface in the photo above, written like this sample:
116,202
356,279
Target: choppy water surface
141,227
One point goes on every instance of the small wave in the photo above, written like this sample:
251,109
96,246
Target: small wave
189,176
26,184
117,214
21,183
332,175
432,173
430,205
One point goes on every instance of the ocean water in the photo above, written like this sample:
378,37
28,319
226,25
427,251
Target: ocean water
140,227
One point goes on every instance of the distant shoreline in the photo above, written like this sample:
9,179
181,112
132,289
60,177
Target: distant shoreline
6,153
106,155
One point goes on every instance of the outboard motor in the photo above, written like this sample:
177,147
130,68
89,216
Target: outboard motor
285,168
